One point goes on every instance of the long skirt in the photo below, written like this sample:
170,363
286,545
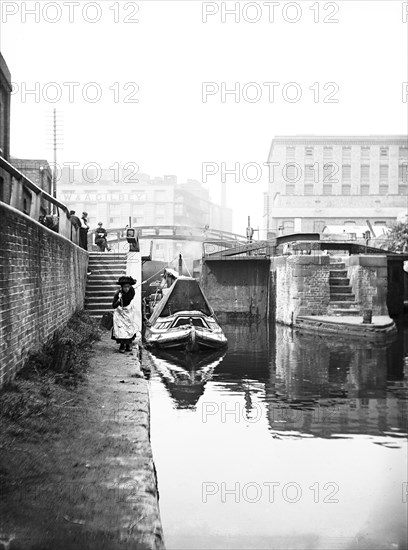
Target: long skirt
126,324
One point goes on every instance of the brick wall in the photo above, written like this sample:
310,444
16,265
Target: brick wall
42,283
301,286
369,280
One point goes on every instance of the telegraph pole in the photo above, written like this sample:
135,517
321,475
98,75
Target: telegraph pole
55,136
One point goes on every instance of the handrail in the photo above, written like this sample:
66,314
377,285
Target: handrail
19,182
15,173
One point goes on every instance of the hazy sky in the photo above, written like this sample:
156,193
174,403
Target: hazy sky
163,60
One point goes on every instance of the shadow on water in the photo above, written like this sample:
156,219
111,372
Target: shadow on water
309,384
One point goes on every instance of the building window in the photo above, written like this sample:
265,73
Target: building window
318,226
364,190
290,189
384,172
383,189
327,189
329,171
346,153
402,173
290,153
350,222
365,153
346,172
291,172
365,172
384,152
137,220
402,189
346,189
403,153
380,222
309,172
309,152
309,188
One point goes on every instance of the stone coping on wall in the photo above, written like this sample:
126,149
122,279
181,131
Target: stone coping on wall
381,326
300,259
367,260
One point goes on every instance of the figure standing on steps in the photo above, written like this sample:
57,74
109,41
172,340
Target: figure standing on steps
125,315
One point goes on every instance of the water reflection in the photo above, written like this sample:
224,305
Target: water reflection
184,374
325,385
310,384
282,407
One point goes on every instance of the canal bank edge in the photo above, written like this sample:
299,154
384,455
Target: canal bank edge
381,326
78,470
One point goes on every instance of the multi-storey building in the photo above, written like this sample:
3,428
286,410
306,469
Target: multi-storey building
316,181
37,170
139,200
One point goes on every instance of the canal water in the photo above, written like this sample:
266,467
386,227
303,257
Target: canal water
287,440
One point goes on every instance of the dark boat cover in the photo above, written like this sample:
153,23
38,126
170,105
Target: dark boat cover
185,294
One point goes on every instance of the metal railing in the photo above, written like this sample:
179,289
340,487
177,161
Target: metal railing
33,201
173,232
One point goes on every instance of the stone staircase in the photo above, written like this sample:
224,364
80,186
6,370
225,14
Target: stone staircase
342,300
105,269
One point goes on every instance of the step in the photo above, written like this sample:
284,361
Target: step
337,265
97,312
100,305
342,298
342,312
110,255
338,273
339,281
107,265
105,276
342,304
102,285
337,289
99,292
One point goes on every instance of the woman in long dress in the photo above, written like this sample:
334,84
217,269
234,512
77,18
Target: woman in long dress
125,326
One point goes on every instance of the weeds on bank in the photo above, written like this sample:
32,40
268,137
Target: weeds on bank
48,374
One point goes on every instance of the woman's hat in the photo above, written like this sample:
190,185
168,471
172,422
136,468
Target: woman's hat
125,280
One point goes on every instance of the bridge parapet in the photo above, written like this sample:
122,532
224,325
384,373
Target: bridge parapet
33,201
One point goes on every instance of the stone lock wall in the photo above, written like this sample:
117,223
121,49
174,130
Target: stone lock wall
237,288
368,276
42,283
301,286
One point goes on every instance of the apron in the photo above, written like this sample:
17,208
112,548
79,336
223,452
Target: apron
126,323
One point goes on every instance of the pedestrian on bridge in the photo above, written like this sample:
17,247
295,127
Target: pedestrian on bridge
125,318
100,238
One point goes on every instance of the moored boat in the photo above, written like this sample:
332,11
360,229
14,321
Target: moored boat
183,319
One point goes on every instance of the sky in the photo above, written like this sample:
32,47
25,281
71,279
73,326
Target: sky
145,82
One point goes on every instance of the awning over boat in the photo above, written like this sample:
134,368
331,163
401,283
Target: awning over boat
185,294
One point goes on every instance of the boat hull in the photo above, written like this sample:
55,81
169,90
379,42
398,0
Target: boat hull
190,339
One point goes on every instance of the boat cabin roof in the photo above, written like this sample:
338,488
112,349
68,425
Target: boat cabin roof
185,294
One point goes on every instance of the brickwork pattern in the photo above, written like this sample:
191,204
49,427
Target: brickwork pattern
369,284
302,286
42,283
